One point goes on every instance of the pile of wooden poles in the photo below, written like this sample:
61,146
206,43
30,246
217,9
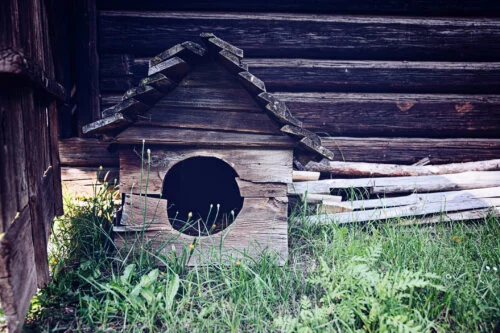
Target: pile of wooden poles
433,193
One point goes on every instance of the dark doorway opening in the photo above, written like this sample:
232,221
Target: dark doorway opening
203,196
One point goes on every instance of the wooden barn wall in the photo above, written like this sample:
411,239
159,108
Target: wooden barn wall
392,81
30,184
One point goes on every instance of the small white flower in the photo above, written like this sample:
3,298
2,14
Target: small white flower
495,268
488,268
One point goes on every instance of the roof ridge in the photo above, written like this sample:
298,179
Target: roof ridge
166,71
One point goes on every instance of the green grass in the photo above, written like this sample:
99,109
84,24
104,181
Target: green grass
372,278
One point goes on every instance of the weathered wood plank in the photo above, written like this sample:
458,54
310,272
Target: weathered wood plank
262,223
368,114
18,280
86,152
114,122
120,72
249,189
145,213
13,178
187,137
308,36
397,170
80,181
298,176
174,68
452,203
410,150
476,214
87,79
190,52
247,122
464,180
419,7
304,75
251,165
319,198
415,198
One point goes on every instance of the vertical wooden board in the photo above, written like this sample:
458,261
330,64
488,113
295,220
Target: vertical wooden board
18,280
87,79
13,178
255,165
261,225
35,170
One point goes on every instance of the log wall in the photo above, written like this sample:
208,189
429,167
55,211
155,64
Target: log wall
390,82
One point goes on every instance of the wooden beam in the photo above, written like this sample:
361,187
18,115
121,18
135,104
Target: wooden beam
366,115
361,169
309,75
417,7
120,72
410,150
267,35
86,152
465,180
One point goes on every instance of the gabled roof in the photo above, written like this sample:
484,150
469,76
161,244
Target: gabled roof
168,68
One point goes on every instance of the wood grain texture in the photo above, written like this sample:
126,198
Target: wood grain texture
415,198
87,59
80,181
451,203
18,279
386,185
246,122
395,170
190,137
307,36
86,152
420,7
14,192
252,165
394,115
411,150
120,72
365,115
261,224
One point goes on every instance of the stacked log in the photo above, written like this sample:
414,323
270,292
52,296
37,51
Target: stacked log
433,193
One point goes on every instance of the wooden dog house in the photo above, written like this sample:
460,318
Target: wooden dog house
217,157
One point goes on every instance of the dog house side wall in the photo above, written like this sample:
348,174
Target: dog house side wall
263,175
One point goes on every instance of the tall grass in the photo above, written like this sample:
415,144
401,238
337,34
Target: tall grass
375,278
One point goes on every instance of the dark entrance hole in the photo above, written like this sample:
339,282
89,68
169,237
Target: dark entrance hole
203,196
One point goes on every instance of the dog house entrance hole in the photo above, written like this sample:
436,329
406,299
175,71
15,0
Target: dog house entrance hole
202,195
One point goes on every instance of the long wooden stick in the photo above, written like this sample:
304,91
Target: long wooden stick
396,170
459,181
